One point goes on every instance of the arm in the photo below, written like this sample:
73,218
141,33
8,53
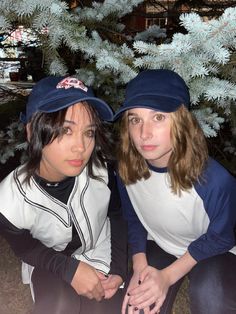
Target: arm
137,234
36,254
82,277
179,268
219,199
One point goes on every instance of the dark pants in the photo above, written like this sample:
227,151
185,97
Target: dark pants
212,282
54,296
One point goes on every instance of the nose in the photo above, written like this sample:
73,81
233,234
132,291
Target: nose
145,132
78,144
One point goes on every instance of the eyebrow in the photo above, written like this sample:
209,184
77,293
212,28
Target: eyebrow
132,114
92,125
153,112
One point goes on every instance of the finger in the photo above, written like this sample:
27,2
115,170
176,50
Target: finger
98,292
137,290
109,293
88,295
106,284
97,296
144,273
157,307
144,303
139,298
125,304
155,311
141,289
110,284
146,310
99,287
132,310
102,276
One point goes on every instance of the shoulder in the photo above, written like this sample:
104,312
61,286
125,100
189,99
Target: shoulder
10,181
12,191
215,170
14,184
100,175
216,178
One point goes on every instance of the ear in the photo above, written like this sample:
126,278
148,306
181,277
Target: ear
28,131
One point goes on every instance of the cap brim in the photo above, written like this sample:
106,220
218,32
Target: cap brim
159,103
104,111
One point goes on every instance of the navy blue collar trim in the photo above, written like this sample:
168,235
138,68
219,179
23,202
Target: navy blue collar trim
157,169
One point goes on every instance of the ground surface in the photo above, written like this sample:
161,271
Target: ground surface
15,297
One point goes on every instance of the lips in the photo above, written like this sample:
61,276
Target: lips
76,162
148,148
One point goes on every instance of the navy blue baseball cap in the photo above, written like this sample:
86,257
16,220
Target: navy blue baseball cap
162,90
53,93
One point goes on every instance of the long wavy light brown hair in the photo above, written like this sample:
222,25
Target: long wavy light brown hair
188,158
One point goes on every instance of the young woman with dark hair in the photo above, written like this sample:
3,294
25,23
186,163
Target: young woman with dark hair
179,203
60,211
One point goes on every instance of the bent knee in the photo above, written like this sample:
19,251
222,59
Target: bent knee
212,287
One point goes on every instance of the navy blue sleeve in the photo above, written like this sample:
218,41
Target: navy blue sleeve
34,253
137,234
218,193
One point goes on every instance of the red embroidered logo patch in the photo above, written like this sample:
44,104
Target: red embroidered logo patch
69,82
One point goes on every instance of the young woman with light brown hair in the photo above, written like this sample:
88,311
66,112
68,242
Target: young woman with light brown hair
178,202
133,166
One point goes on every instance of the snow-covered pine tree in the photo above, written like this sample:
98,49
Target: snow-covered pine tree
204,56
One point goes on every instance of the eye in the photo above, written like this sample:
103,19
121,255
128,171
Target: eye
66,130
134,120
90,133
159,117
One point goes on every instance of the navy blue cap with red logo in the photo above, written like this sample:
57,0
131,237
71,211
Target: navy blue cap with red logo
53,93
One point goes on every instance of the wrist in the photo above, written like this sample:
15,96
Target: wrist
139,262
166,272
179,268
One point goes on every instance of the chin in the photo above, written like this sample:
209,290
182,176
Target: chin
76,172
150,156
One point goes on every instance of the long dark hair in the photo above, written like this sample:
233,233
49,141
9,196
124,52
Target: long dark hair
44,128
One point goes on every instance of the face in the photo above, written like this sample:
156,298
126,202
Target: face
69,153
149,131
